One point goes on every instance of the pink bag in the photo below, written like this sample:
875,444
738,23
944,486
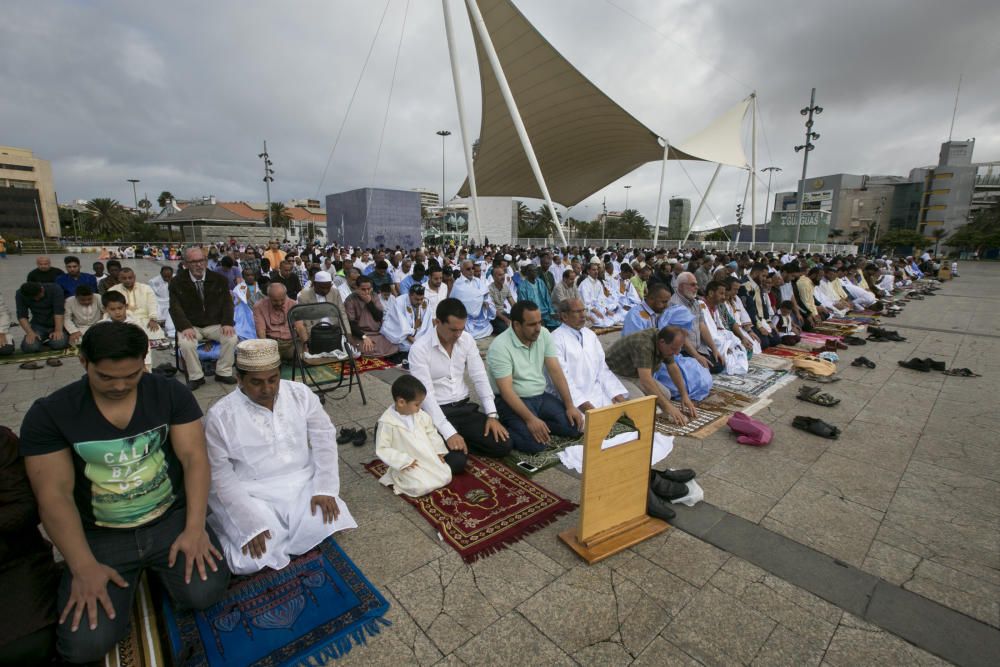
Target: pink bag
749,430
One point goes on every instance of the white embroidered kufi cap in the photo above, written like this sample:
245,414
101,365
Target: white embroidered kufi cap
258,354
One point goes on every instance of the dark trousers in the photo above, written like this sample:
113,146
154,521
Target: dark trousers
36,648
43,339
499,326
546,407
470,424
456,461
129,552
768,340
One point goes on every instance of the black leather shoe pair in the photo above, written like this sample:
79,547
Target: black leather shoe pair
667,489
193,385
355,436
225,379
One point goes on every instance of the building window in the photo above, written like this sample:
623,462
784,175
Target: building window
17,167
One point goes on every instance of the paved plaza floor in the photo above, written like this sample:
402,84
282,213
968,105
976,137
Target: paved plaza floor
882,547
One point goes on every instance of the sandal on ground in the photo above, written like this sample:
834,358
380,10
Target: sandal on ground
863,361
53,362
816,427
812,377
962,372
31,366
935,365
916,365
813,395
346,435
854,340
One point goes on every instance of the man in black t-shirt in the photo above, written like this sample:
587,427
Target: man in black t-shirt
118,463
43,272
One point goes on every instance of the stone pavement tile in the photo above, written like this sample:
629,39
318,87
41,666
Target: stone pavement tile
717,628
882,445
858,643
546,540
443,599
735,499
855,481
907,377
817,518
555,610
512,575
685,556
509,641
640,614
402,643
388,548
968,594
794,445
959,451
699,455
891,563
655,583
972,413
450,661
560,482
758,470
603,653
660,652
903,406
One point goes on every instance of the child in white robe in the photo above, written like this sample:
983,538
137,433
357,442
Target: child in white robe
116,310
410,445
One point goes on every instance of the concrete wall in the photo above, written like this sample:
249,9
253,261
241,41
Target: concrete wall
36,174
499,218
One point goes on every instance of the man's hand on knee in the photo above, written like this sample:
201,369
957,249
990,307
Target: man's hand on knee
88,590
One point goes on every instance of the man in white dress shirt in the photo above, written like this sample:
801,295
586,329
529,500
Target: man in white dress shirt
440,360
435,290
581,357
273,453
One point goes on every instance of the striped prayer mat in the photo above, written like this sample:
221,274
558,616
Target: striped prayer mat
141,646
44,355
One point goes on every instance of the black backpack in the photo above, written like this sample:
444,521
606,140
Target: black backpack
325,337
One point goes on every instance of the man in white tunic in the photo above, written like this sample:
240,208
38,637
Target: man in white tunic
273,452
602,311
406,318
141,304
581,356
161,288
476,298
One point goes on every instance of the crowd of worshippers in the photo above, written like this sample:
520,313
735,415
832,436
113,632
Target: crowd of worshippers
127,475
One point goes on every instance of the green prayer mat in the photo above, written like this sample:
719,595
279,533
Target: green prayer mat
325,374
44,355
550,455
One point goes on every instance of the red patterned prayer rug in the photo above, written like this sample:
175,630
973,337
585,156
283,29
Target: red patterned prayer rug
366,364
486,508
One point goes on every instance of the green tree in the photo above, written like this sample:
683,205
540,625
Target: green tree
717,235
631,225
164,197
280,215
980,234
902,238
105,217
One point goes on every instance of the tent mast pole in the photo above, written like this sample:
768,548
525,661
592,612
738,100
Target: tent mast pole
659,197
484,36
466,144
694,218
753,173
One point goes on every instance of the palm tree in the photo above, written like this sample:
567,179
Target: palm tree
631,225
938,234
105,217
280,216
164,197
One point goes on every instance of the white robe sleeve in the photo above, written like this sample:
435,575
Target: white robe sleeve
323,441
609,382
384,449
427,424
227,493
578,395
395,326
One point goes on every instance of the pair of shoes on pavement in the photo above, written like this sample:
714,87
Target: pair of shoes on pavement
355,436
665,486
193,385
923,365
863,361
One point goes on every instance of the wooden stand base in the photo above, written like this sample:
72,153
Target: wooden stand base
618,542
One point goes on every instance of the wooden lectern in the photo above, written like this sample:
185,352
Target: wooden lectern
615,482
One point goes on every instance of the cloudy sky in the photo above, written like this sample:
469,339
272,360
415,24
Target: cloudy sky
181,94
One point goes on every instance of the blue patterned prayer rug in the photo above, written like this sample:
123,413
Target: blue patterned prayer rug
314,610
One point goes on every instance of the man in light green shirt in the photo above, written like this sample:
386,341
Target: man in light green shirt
518,360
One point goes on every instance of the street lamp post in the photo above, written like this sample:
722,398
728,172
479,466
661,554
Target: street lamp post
135,196
442,134
770,171
627,188
811,136
268,179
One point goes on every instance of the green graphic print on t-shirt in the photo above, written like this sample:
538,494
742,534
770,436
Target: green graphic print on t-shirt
129,481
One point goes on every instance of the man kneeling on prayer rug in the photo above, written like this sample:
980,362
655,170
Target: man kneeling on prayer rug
275,477
581,357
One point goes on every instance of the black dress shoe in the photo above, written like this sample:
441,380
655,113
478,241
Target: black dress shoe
658,508
194,384
683,476
225,379
667,489
359,437
346,435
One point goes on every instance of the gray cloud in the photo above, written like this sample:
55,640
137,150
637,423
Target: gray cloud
181,95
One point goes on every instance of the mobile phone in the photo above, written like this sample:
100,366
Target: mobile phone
527,467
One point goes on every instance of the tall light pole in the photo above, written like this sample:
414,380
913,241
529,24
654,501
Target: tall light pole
627,188
442,134
268,179
770,172
806,147
135,196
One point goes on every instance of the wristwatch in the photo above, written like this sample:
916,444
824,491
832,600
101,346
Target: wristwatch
492,415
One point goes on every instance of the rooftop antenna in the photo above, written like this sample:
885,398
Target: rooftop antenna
955,110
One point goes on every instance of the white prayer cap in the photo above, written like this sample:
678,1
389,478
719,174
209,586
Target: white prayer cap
523,263
258,354
507,258
322,277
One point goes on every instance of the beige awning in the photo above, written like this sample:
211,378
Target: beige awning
582,138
